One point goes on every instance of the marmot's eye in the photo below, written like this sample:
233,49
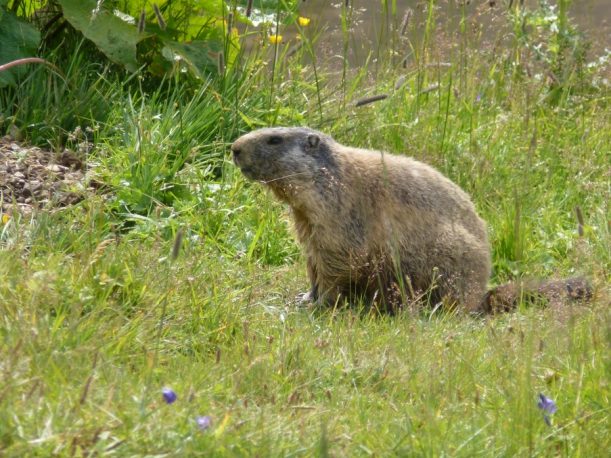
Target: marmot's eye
274,140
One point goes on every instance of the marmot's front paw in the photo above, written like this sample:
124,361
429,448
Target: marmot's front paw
304,299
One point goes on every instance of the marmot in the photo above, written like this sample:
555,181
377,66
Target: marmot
374,225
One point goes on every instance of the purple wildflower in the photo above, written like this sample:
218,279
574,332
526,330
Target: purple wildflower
169,396
546,404
548,407
203,423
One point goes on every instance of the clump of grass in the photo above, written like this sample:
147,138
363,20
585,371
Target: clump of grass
47,106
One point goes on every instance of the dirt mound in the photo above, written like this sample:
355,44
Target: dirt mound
34,178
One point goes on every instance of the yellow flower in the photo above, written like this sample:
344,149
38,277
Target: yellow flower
5,218
303,21
275,39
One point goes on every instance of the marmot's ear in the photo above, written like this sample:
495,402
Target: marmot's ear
313,140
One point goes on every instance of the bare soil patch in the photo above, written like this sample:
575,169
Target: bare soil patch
36,178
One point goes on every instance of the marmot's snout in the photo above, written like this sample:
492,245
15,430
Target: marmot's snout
236,151
242,158
239,155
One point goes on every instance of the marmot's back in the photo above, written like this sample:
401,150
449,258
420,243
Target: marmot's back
372,224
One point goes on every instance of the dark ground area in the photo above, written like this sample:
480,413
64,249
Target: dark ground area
35,178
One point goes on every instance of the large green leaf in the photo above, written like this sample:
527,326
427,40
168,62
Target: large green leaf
18,39
114,37
201,56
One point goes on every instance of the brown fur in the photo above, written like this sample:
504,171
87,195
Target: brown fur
374,225
549,292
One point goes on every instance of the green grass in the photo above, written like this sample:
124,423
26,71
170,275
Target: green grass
234,348
96,317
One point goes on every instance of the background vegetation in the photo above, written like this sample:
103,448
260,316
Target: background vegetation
180,273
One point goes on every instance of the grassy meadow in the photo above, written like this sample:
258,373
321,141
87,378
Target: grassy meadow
180,273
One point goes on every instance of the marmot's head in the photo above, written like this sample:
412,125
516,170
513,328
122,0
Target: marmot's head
287,154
